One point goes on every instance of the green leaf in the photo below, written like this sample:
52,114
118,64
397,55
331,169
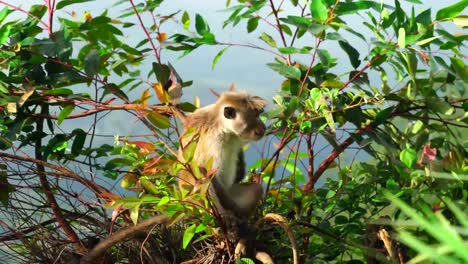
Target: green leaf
58,91
188,235
186,20
344,8
65,3
286,71
4,13
66,111
201,26
91,62
252,24
401,38
300,22
460,68
451,11
215,60
319,10
353,54
78,143
426,41
383,115
244,261
4,34
134,211
189,151
408,156
160,121
268,39
162,71
293,50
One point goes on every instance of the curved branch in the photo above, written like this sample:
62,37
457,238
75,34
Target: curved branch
121,235
278,219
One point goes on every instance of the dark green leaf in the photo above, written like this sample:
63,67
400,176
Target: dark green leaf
383,115
252,24
58,91
344,8
353,54
78,143
65,112
215,60
268,39
452,11
319,10
65,3
91,62
285,70
162,72
200,25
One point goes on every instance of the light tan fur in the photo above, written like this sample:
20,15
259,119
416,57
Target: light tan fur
220,140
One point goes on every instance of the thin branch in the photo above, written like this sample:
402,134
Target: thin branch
148,36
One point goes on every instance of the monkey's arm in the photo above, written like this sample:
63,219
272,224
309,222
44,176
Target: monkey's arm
240,172
240,199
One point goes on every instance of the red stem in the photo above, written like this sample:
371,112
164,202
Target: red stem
156,53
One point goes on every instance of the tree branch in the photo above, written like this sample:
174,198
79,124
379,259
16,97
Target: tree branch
123,234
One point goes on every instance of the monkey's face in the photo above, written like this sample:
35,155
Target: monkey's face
243,121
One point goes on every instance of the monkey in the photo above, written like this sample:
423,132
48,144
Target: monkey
222,129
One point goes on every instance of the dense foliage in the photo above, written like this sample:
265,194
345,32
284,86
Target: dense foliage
390,185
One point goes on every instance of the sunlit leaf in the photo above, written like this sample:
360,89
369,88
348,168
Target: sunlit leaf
4,34
319,10
134,212
401,38
186,20
452,11
220,53
162,94
268,39
188,235
408,156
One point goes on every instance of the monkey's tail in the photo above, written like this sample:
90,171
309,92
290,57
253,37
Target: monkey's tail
278,219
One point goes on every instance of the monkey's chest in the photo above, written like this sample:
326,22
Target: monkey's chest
227,167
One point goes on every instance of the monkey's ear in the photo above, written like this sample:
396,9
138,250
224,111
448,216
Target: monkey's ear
229,112
258,102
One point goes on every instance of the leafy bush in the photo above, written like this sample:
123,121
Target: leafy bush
392,118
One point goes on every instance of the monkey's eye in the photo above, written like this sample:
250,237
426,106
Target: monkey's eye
229,112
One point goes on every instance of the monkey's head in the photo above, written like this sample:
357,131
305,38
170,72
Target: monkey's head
240,115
